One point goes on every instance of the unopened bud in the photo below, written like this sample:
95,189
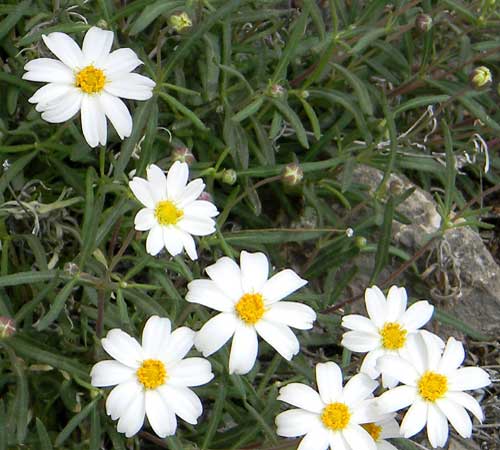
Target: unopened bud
480,77
102,24
423,22
71,269
349,232
206,196
277,91
292,174
229,176
396,187
183,154
360,242
7,327
304,94
179,22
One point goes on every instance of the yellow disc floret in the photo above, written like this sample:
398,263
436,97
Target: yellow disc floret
167,213
373,430
393,336
90,80
152,373
336,416
250,308
432,386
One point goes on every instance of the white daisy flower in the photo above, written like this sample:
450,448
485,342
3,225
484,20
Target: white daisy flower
152,379
89,80
381,430
172,212
334,417
386,330
433,385
250,304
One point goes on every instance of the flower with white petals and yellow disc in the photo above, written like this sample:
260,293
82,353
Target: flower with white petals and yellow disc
249,304
172,212
337,417
383,429
433,384
386,330
89,80
152,379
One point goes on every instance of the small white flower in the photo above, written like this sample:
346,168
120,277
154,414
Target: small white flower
89,80
250,304
334,417
387,330
432,385
172,212
151,379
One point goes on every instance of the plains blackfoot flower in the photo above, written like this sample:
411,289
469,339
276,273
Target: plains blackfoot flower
250,304
386,330
433,385
151,379
334,417
89,80
172,212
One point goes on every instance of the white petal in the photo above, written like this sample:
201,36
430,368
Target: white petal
437,426
183,401
132,418
157,182
254,271
396,303
417,315
197,226
120,61
337,442
63,108
293,314
131,85
281,285
301,396
48,70
295,422
200,208
120,397
457,416
189,245
385,445
358,388
227,276
329,381
360,341
215,333
155,336
415,419
177,177
93,121
160,416
398,368
117,113
243,350
190,372
181,341
154,241
65,48
388,381
145,219
110,372
358,438
453,356
468,378
316,439
96,45
366,411
369,364
50,93
172,239
415,352
190,193
390,428
357,322
140,188
207,293
396,399
123,348
468,402
376,305
280,337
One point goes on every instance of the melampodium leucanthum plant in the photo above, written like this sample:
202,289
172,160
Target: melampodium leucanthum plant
152,379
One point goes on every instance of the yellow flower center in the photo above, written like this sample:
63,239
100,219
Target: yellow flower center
336,416
167,213
393,336
152,373
90,80
373,430
432,386
250,308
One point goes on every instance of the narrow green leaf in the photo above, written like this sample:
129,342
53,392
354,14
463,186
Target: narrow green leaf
382,255
74,422
73,28
423,100
359,88
216,417
293,118
367,39
43,436
16,279
90,218
313,118
271,236
450,168
3,426
248,110
95,430
57,305
448,319
10,21
185,111
152,12
21,399
236,139
17,166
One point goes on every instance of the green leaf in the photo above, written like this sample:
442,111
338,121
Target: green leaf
359,88
43,436
22,398
293,118
16,279
248,110
57,305
423,100
313,118
3,426
237,141
71,29
185,111
382,255
271,236
151,12
17,166
450,168
11,20
74,422
367,39
90,218
448,319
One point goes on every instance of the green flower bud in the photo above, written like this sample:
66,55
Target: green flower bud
183,154
481,76
360,242
292,174
229,176
179,22
7,327
277,91
423,22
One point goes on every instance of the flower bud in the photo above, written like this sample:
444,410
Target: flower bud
423,22
103,24
206,196
7,327
304,94
229,176
179,22
183,154
71,269
277,91
360,242
480,77
292,174
349,232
